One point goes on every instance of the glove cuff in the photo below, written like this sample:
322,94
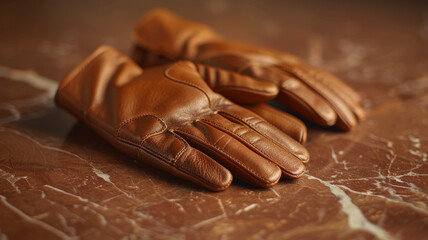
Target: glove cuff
169,35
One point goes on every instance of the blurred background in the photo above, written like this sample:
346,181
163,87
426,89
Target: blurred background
52,36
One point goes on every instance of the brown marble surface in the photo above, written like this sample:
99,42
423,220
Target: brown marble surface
60,180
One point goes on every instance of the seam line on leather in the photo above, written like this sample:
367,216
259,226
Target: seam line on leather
263,153
225,129
183,149
131,119
156,155
261,133
222,128
167,74
235,160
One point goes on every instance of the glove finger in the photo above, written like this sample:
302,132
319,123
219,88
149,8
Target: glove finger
301,99
287,157
287,123
203,170
345,92
340,85
170,152
345,117
237,87
295,95
320,75
239,116
231,153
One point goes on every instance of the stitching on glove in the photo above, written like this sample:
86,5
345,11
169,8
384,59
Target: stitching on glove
183,149
220,138
222,128
162,158
124,123
167,74
133,144
240,163
154,154
257,121
261,133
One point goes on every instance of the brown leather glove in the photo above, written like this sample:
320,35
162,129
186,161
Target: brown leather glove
248,90
169,117
314,94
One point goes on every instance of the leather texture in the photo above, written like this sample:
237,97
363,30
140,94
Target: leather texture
312,93
169,117
237,87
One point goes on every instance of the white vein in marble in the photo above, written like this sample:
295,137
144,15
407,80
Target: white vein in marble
33,79
356,219
35,221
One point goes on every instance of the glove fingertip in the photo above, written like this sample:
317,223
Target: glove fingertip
296,172
360,113
204,171
307,104
346,125
303,137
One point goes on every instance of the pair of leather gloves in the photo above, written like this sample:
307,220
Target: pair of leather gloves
184,117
